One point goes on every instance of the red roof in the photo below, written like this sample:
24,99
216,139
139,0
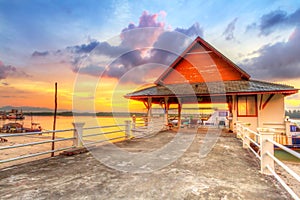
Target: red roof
201,62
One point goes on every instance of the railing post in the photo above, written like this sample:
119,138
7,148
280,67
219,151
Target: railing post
133,122
77,134
237,129
288,132
127,129
150,126
266,134
246,141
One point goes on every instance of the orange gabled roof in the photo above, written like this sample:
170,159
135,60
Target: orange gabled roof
189,70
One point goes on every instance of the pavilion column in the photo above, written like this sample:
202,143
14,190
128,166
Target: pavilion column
230,117
234,113
149,111
259,109
179,112
166,108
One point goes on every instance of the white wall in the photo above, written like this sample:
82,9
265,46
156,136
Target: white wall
273,112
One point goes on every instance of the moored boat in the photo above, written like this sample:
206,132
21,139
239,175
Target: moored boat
2,115
19,128
15,114
12,128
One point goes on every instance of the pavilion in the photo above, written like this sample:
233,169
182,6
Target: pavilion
201,74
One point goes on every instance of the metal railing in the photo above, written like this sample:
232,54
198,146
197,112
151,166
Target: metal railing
105,134
142,129
34,143
81,137
265,152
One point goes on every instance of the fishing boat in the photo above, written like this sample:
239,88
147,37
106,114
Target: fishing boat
15,115
15,127
3,115
12,127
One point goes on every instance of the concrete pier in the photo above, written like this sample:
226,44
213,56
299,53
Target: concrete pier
227,172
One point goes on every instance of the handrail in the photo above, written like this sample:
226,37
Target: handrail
99,141
139,123
294,153
256,144
268,166
291,172
243,136
35,143
78,135
281,181
96,127
35,154
251,131
253,151
102,133
35,133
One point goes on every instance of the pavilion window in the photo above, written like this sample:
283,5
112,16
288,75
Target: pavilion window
247,106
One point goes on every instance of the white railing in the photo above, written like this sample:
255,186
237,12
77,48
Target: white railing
34,143
281,132
82,136
265,152
141,129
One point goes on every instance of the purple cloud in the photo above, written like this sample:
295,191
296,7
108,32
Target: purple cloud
5,70
146,42
152,28
37,53
8,70
276,19
194,30
229,31
90,70
277,61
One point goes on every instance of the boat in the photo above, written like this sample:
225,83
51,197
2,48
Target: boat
2,115
35,127
15,127
12,127
15,115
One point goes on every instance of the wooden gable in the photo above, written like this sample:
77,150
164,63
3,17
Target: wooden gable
201,62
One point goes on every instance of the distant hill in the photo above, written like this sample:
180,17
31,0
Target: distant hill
26,109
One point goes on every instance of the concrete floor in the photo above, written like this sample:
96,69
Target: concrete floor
227,172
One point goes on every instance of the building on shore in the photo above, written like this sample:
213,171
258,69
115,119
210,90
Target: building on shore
203,75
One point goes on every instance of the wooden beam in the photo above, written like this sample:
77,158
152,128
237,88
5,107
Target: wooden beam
179,112
146,104
149,113
229,103
267,101
261,100
166,99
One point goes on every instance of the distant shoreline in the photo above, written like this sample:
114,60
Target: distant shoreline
69,113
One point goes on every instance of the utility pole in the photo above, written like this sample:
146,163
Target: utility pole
54,122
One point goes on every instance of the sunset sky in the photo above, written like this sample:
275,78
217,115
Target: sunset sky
97,51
